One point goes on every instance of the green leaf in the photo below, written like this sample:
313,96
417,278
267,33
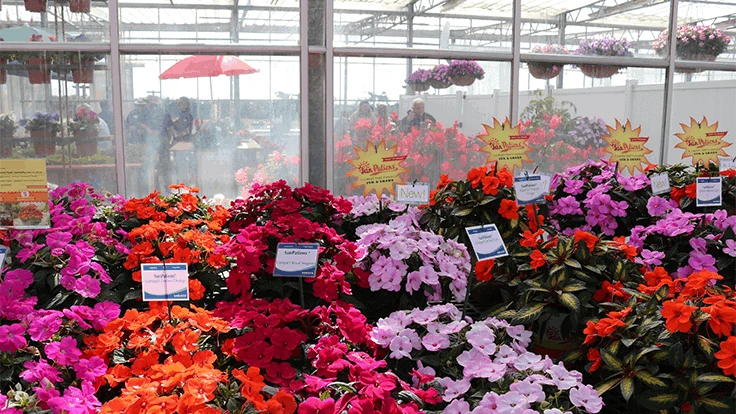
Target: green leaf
715,406
706,345
611,360
605,386
462,211
574,287
676,355
570,301
628,341
627,388
649,379
573,263
528,314
657,401
714,378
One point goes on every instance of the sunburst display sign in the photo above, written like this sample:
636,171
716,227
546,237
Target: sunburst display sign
703,142
626,146
377,168
505,145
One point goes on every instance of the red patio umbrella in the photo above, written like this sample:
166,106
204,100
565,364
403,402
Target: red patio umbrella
207,66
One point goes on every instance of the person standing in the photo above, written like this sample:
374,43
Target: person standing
416,117
364,112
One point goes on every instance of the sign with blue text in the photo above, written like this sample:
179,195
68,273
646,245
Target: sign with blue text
296,260
708,191
3,253
530,189
168,281
487,242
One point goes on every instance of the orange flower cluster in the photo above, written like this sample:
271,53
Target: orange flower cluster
252,385
169,371
490,180
605,327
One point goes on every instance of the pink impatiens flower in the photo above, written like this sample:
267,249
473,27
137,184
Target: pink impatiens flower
12,337
314,405
64,352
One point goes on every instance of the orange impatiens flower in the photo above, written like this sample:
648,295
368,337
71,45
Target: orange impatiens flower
509,209
727,356
539,259
203,390
483,270
529,239
490,185
678,316
722,317
476,175
590,240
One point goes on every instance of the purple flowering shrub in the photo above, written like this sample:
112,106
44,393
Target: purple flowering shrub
593,197
419,265
71,260
479,367
41,364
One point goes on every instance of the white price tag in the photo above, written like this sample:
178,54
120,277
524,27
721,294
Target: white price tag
708,191
168,281
530,189
660,183
296,260
417,193
726,163
487,242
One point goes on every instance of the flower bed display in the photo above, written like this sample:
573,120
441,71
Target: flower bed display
607,286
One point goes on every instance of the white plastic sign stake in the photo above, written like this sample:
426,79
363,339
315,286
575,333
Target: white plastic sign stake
487,242
3,253
660,183
168,281
413,193
726,163
530,189
708,191
296,260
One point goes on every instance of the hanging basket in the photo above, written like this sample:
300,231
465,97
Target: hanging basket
36,5
6,147
544,71
43,143
86,142
420,87
84,72
463,80
703,57
41,74
79,6
439,84
3,72
599,71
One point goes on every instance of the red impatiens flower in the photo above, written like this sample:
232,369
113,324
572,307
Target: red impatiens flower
678,316
538,259
483,270
589,239
509,209
314,405
727,356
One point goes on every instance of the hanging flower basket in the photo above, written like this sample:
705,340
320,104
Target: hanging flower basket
420,87
702,57
439,78
44,143
86,142
463,80
84,72
701,43
36,5
438,84
544,71
79,6
39,72
599,71
3,72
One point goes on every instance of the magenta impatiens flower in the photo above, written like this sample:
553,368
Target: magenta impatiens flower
38,371
64,352
12,337
90,369
314,405
377,385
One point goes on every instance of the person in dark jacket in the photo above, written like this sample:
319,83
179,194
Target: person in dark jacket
416,118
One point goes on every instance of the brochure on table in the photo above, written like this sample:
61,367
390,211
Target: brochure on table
296,260
168,281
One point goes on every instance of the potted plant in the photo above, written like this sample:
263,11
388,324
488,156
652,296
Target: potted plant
5,57
83,70
440,78
7,129
703,43
80,6
36,5
541,70
608,46
39,67
43,128
465,72
84,127
419,80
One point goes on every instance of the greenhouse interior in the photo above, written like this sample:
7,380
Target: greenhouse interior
367,206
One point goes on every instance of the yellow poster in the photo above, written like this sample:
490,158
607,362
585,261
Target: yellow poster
627,147
377,168
701,141
505,145
24,195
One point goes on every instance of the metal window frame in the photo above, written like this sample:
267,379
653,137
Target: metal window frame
515,56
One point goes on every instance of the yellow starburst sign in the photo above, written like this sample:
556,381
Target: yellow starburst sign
505,145
701,141
626,146
377,168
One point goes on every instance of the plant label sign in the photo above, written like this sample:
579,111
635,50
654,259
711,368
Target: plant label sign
296,260
168,281
487,242
24,194
726,163
413,194
530,189
3,253
660,183
708,191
